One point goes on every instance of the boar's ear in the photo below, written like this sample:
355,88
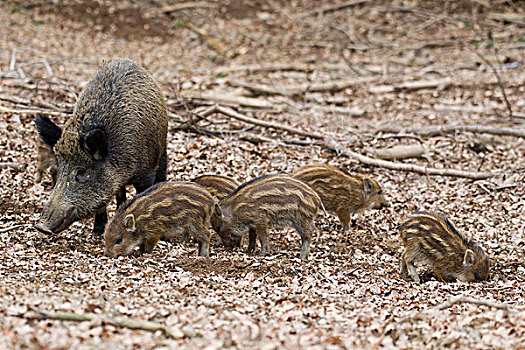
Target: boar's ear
469,258
95,144
368,186
48,131
129,223
217,210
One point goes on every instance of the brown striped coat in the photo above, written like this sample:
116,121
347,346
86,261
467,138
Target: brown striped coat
264,202
47,160
218,185
163,211
433,239
342,193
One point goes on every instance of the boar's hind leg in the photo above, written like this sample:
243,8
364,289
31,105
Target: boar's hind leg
160,174
402,264
409,261
261,232
344,218
306,236
101,218
202,236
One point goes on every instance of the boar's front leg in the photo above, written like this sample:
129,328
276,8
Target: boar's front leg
101,218
121,196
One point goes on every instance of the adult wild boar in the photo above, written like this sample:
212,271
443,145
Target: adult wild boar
116,137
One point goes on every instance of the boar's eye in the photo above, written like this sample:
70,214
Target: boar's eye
118,241
380,192
476,277
81,175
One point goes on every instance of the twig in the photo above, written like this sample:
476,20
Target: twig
498,77
236,115
7,229
12,63
404,166
303,88
412,85
212,42
115,321
398,152
446,129
14,165
332,8
232,99
463,299
183,6
283,67
28,111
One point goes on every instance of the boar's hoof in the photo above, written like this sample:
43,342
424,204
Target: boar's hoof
43,228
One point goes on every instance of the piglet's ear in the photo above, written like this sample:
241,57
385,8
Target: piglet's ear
469,257
368,186
129,223
95,144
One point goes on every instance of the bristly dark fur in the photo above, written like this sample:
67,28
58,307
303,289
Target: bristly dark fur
249,183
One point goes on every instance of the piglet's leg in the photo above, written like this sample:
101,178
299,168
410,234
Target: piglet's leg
402,264
261,232
252,235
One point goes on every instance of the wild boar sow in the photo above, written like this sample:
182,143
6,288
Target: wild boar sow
219,186
164,211
116,137
433,239
267,201
342,193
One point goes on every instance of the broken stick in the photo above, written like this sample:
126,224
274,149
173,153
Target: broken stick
115,321
361,158
463,299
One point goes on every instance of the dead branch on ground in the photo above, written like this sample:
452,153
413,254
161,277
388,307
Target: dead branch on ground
7,229
398,152
496,74
115,321
412,85
332,8
446,129
13,165
337,147
28,111
463,299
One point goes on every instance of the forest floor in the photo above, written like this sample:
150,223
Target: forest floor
349,293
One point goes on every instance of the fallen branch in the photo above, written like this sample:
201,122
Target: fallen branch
361,158
412,85
406,167
212,42
7,229
28,111
236,115
182,6
233,100
300,89
15,165
398,152
445,129
281,67
463,299
332,8
115,321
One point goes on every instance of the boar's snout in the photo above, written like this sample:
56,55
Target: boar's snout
55,221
